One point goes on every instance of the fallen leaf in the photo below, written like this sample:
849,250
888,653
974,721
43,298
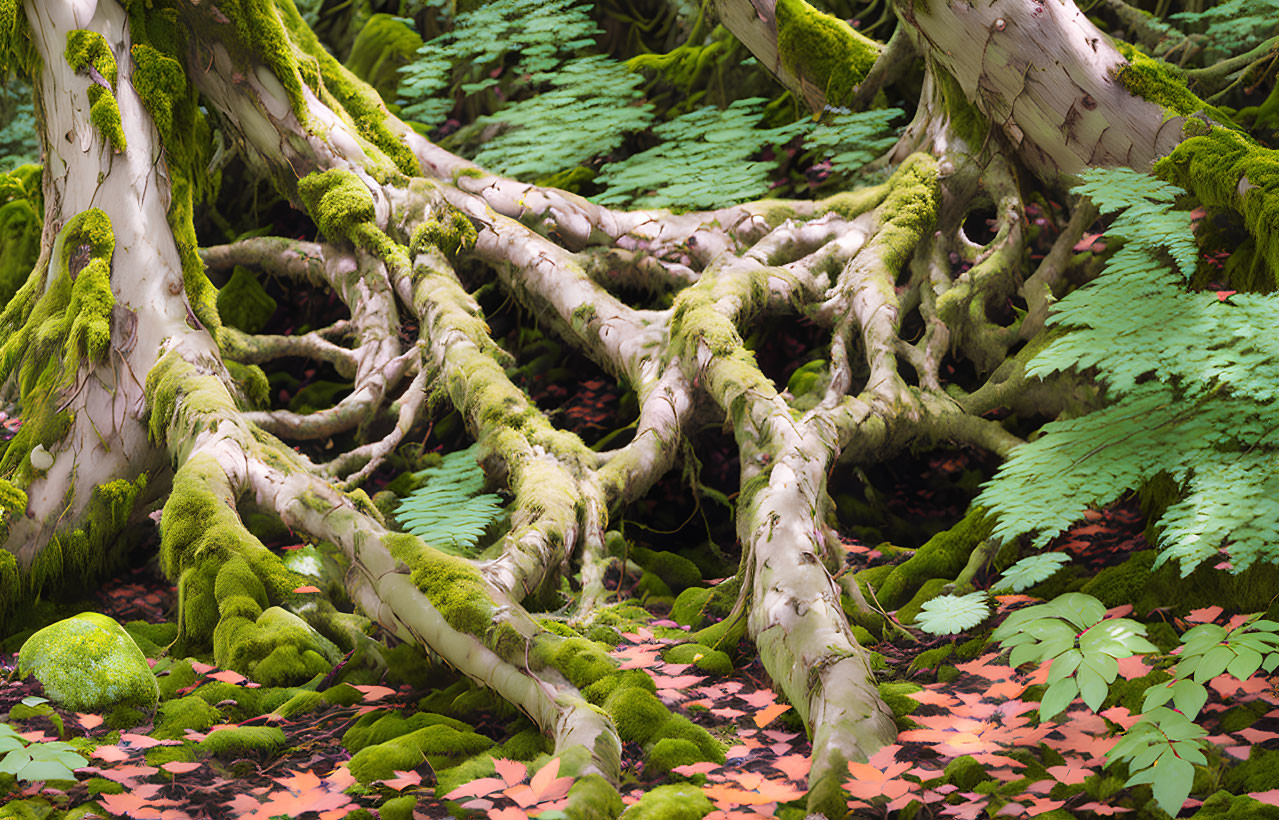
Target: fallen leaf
307,588
179,766
768,714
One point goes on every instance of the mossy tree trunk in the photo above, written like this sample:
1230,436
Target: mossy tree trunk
129,380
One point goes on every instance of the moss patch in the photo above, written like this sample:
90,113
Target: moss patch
678,802
88,663
242,741
823,49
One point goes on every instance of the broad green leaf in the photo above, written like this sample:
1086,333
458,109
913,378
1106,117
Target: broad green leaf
1064,665
1189,697
1214,663
1092,687
1246,662
1057,697
1079,609
1173,780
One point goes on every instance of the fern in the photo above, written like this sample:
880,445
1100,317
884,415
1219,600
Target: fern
588,109
951,614
451,512
850,140
1193,383
1031,570
1234,26
704,160
542,32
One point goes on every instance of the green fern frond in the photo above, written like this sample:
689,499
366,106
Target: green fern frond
1194,389
704,160
451,512
850,140
541,32
1234,26
588,109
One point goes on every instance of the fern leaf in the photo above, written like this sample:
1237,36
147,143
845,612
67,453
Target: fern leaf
451,512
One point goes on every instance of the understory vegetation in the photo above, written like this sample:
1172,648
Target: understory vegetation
653,409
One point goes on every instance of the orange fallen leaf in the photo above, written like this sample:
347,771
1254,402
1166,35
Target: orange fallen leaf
307,588
89,721
179,766
768,714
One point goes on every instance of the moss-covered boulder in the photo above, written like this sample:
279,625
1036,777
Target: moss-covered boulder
680,802
88,663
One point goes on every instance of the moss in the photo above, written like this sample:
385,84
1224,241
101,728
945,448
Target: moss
896,695
151,638
582,661
702,657
89,52
177,716
823,49
677,802
452,584
100,785
1156,81
668,753
124,717
338,202
637,714
942,556
159,755
593,798
88,663
181,675
1258,773
439,744
243,741
524,745
21,215
970,124
676,571
1227,170
599,691
966,773
252,383
397,808
1138,582
379,727
688,606
652,588
454,235
1225,806
826,797
243,303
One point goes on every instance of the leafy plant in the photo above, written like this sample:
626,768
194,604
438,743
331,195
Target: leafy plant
1030,570
451,511
849,140
1233,26
949,614
1165,744
1083,648
542,32
31,762
1192,386
19,142
703,161
587,110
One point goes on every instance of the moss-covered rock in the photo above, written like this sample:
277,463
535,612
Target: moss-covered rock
1225,806
678,802
242,741
439,744
593,798
177,716
676,571
398,808
668,753
702,657
88,663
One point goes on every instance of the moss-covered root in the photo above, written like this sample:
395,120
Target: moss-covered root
818,56
444,603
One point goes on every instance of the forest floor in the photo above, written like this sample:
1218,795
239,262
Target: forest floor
971,745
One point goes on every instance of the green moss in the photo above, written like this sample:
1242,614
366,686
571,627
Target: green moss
21,215
668,753
88,663
181,675
688,606
243,303
676,571
159,755
677,802
593,798
1156,81
1258,773
942,556
1225,806
702,657
397,808
190,712
439,744
151,638
379,727
89,52
453,236
1228,171
966,773
651,588
124,717
637,714
896,695
823,49
452,584
582,661
338,202
253,384
969,123
243,741
100,785
599,691
524,745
